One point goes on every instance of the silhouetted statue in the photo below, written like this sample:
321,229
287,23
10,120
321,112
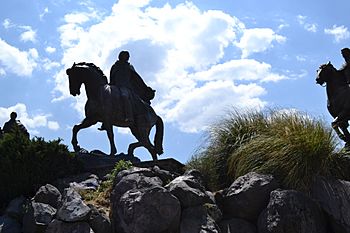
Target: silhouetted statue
346,67
106,104
10,126
338,94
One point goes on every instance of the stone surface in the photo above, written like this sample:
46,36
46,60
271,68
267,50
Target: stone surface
197,219
247,196
334,197
189,190
37,217
290,211
9,225
98,221
15,208
73,209
150,210
48,194
57,226
236,225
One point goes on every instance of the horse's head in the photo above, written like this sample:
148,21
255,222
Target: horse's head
324,73
74,80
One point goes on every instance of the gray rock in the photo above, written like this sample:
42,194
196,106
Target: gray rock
98,221
37,217
9,225
290,211
15,208
164,175
236,225
189,190
91,183
334,197
197,219
152,210
57,226
73,208
48,194
247,196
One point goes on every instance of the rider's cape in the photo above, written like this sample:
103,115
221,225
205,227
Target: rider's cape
145,92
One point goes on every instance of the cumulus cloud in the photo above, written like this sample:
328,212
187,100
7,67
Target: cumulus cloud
31,122
311,27
28,35
45,12
339,32
50,49
257,40
7,24
21,63
180,51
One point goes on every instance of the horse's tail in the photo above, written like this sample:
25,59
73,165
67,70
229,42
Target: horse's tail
158,137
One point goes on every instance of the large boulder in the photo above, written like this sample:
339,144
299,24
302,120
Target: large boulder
237,225
189,190
197,219
57,226
290,211
48,194
9,225
73,208
15,209
247,196
333,196
37,217
148,210
98,221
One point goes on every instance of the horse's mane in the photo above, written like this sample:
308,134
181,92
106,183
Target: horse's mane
93,66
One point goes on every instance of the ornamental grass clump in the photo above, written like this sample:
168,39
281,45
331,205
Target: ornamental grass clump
288,144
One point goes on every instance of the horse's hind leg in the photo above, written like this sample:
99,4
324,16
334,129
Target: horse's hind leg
110,134
142,135
132,147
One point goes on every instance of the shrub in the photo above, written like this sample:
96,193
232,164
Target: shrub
290,145
27,164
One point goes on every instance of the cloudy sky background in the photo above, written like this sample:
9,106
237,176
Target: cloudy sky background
203,58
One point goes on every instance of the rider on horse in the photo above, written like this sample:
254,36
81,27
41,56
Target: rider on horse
346,67
124,76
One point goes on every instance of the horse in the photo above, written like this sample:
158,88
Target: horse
104,104
338,94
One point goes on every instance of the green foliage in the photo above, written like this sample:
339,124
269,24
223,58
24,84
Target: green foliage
101,195
291,145
27,164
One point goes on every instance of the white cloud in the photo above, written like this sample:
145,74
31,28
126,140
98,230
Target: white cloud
53,125
311,27
339,32
257,40
179,51
28,35
45,12
50,49
21,63
31,122
2,72
7,23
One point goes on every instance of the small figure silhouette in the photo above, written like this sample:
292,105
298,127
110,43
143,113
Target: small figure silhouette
346,67
9,126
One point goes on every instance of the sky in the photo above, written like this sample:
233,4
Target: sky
202,57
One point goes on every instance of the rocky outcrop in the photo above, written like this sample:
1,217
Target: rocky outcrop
334,197
291,211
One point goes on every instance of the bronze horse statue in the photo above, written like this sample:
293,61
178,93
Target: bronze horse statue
104,104
338,94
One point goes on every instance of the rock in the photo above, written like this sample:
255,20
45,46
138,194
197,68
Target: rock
290,211
164,175
57,226
9,225
213,211
37,217
237,225
66,182
91,183
134,178
333,196
197,219
148,210
15,208
48,194
189,190
73,208
247,196
98,221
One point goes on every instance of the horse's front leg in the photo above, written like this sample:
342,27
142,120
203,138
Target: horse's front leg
84,124
110,134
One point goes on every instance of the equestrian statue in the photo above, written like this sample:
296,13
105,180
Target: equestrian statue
124,102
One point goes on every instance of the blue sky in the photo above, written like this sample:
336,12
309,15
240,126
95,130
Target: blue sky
202,57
